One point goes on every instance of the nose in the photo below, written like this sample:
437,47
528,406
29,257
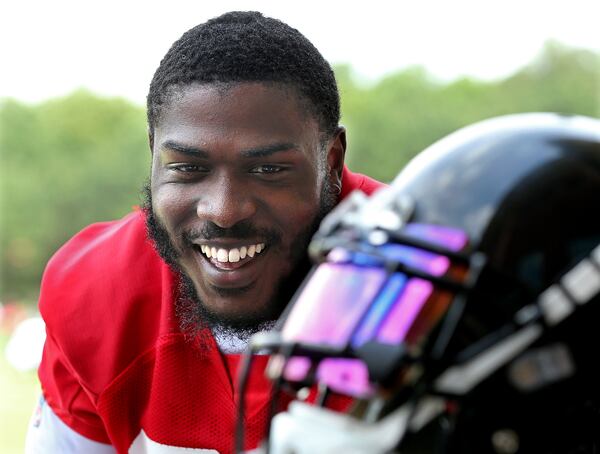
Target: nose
225,202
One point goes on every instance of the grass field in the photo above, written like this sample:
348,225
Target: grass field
18,393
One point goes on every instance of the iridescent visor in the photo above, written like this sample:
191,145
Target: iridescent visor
332,303
344,305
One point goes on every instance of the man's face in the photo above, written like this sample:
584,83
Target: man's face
239,181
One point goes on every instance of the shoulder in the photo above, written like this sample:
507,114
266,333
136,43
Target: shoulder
101,298
102,253
352,181
101,239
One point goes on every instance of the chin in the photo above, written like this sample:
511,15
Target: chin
230,309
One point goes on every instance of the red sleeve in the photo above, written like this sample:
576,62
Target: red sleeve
101,301
66,396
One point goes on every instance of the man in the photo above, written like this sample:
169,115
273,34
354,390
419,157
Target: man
247,157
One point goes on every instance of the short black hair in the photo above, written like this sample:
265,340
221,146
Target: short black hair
247,47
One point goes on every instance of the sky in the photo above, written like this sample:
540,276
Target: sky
50,48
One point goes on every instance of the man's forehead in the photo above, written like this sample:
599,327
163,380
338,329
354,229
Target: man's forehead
237,98
245,108
242,91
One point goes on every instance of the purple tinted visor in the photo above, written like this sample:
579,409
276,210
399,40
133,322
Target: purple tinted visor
345,305
331,304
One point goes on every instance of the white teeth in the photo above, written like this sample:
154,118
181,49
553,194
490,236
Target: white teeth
232,255
222,255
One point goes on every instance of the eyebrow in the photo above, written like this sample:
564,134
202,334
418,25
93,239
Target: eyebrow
185,149
268,150
258,152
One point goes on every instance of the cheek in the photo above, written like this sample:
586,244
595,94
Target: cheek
298,210
171,207
297,218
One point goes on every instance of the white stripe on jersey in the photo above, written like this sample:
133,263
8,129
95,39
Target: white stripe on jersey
47,434
144,445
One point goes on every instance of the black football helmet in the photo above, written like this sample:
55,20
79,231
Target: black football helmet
460,306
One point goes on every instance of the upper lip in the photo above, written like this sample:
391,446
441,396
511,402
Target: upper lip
227,243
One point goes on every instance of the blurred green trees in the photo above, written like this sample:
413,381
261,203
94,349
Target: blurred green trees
68,162
63,164
390,122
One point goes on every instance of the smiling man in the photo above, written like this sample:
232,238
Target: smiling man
241,175
146,316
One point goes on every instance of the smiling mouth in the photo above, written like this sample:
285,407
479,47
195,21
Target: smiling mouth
231,258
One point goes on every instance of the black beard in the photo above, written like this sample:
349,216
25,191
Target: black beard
194,316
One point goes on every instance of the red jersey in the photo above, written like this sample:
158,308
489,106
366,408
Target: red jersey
117,369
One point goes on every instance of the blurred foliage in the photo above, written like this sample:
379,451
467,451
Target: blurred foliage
391,121
64,164
68,162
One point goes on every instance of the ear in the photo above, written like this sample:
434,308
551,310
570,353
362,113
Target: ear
335,156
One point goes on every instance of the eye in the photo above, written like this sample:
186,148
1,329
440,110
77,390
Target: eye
186,168
267,169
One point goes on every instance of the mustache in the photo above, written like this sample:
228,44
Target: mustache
242,230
